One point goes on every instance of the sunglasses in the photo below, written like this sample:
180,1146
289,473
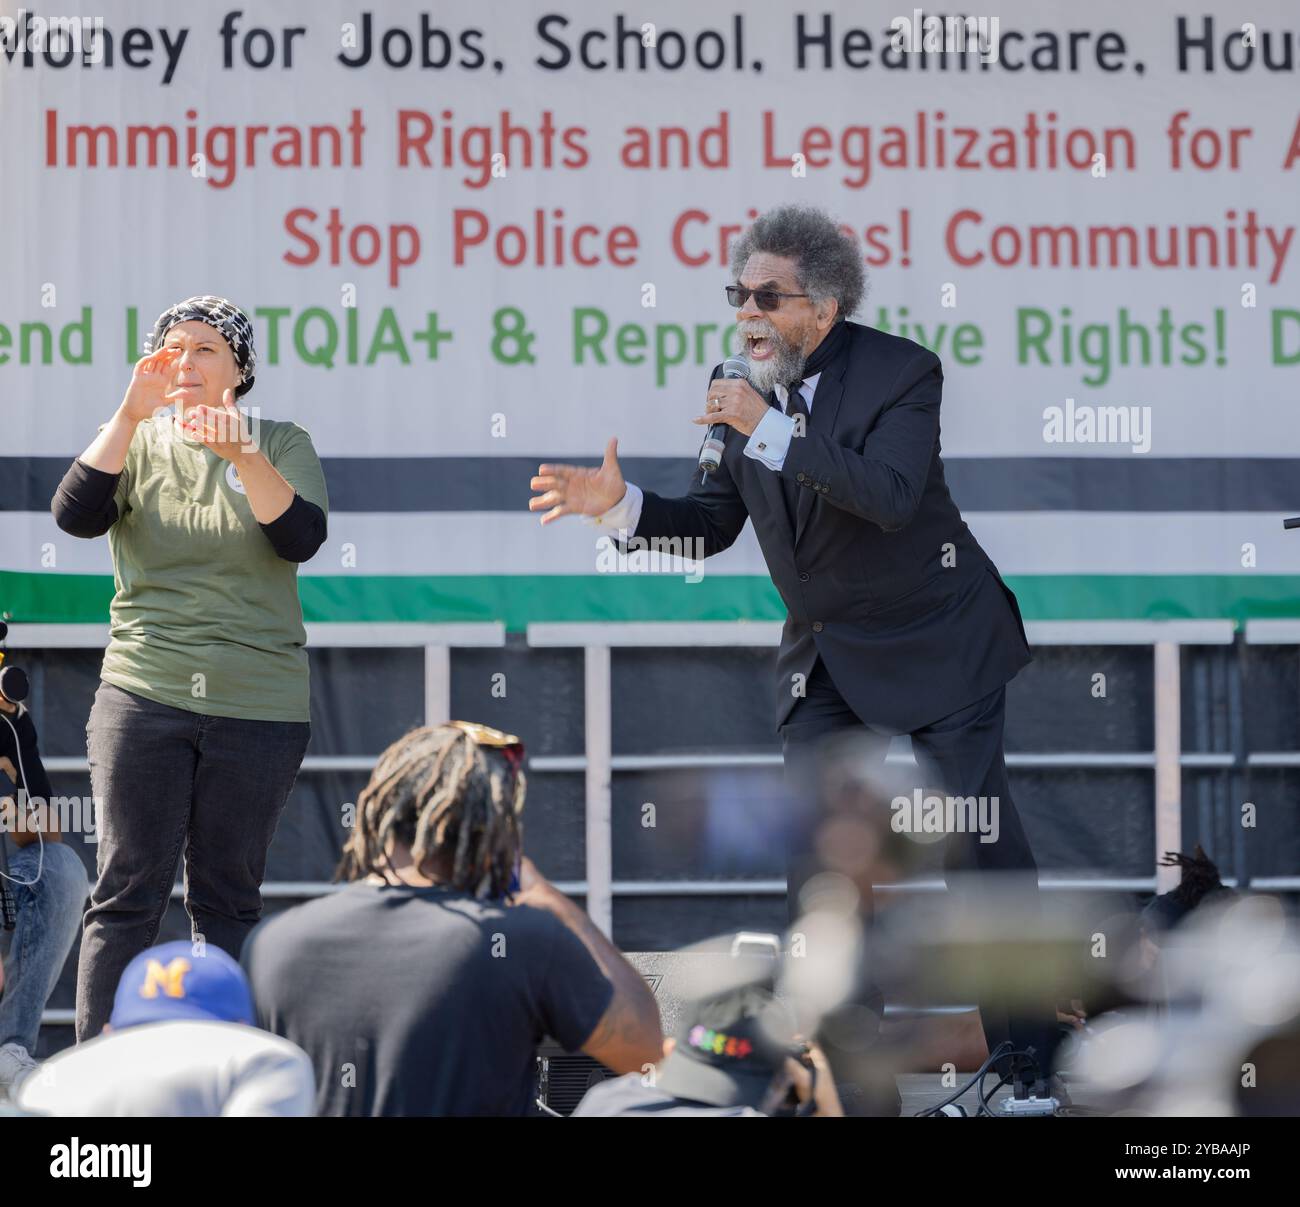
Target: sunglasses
512,749
764,299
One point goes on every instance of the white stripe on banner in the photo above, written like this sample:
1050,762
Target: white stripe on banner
503,543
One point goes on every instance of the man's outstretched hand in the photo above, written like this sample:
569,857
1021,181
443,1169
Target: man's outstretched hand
575,490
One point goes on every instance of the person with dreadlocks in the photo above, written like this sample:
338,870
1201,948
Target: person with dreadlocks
1198,883
201,719
424,986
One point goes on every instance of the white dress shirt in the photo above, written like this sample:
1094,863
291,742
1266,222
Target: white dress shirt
768,444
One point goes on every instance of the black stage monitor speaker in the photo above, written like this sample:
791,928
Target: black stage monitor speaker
563,1078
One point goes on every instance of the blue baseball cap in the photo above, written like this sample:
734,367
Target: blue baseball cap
169,982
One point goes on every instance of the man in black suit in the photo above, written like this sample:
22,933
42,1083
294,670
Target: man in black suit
898,620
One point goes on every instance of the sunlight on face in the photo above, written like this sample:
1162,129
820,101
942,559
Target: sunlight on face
775,342
206,367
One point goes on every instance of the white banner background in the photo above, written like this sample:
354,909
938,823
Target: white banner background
110,238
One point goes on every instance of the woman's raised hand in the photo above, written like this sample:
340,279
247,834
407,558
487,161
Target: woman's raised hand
150,380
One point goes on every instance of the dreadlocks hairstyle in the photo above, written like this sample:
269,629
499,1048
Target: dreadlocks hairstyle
1199,882
439,792
1199,876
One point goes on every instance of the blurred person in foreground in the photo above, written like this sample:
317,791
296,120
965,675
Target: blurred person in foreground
850,956
1198,885
425,985
1211,1027
839,982
180,1042
49,886
737,1054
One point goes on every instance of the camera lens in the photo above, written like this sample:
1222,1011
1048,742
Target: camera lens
13,684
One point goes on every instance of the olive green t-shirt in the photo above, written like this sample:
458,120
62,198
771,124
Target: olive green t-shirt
206,616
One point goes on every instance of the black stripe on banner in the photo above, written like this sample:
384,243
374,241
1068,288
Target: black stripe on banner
1133,483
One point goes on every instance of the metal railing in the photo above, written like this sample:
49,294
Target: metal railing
599,763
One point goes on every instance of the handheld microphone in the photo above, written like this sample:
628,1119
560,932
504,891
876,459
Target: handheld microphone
711,449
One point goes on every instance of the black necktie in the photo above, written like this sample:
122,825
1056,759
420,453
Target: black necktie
794,406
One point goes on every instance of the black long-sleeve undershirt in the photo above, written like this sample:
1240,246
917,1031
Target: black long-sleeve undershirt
296,534
84,506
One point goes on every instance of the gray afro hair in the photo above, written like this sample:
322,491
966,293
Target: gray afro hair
830,265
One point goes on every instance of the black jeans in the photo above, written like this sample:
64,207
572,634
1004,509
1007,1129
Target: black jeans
962,753
167,780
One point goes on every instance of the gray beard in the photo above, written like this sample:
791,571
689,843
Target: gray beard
782,368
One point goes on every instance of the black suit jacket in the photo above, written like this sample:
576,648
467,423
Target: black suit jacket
879,573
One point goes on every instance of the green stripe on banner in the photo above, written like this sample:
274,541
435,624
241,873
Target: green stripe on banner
54,598
32,598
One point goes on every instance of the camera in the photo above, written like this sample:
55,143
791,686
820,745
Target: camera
13,680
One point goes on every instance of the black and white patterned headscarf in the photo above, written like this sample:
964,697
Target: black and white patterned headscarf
226,317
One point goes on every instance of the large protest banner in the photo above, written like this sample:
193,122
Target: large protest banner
473,238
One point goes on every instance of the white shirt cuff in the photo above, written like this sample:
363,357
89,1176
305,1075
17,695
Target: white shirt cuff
770,440
625,514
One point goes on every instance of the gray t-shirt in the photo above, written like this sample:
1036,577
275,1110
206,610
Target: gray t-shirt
423,1001
173,1070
